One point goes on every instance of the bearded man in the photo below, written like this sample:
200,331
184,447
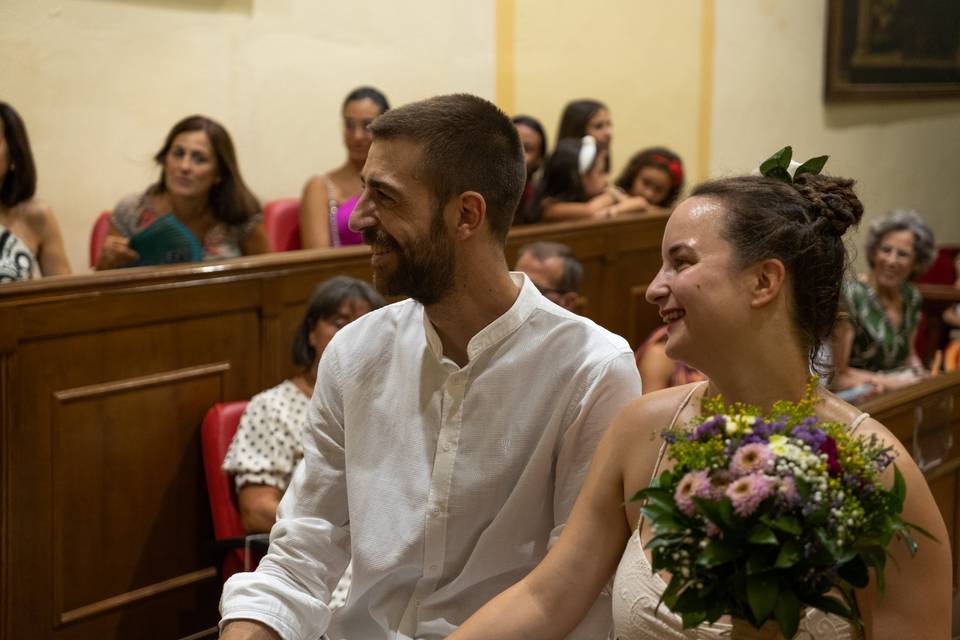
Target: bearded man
449,433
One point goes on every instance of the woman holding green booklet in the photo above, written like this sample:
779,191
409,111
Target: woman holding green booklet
199,209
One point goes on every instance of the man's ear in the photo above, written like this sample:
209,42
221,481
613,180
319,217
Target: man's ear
471,212
767,278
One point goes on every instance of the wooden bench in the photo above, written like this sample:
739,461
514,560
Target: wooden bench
925,417
105,530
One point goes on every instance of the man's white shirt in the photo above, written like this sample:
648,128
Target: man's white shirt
444,484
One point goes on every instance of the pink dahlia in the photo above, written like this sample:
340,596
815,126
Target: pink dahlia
751,458
747,493
694,484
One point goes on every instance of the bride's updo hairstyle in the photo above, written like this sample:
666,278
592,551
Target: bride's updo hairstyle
802,225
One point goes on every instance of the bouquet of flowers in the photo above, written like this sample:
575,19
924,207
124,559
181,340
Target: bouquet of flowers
762,516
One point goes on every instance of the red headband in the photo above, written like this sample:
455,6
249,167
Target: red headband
673,167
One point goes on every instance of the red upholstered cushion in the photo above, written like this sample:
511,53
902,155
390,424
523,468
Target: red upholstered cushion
217,431
281,220
97,235
942,271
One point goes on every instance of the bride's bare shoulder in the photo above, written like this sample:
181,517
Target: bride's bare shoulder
650,413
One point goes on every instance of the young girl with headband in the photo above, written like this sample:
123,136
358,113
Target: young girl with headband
574,186
654,174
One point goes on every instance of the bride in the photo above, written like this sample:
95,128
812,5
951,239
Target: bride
749,288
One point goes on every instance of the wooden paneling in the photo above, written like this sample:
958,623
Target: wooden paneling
103,438
104,379
925,417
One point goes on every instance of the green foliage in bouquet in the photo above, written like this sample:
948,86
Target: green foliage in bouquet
765,515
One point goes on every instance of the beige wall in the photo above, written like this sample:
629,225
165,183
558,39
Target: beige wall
768,93
640,57
100,82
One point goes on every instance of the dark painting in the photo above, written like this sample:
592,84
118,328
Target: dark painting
893,49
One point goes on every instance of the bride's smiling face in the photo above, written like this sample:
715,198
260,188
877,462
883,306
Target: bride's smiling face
699,290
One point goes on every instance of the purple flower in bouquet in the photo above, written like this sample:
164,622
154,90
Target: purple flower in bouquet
763,430
884,459
829,447
709,428
696,484
809,433
747,493
751,458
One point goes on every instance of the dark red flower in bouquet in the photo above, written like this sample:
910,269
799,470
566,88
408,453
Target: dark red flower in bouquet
829,447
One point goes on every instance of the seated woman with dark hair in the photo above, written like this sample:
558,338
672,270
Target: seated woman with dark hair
873,348
29,233
329,198
267,445
588,117
201,188
574,186
654,174
534,141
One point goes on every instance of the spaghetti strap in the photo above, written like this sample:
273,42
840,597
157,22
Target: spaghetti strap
663,445
673,422
858,421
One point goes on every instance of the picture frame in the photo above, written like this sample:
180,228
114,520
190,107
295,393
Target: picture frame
892,50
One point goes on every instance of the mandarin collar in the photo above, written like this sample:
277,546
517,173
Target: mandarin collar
527,301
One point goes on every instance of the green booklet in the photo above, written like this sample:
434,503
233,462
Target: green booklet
166,241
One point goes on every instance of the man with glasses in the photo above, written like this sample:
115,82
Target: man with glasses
555,271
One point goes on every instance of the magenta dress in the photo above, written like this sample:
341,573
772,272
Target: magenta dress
340,233
339,217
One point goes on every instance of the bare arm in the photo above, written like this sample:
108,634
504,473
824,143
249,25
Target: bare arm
116,251
951,317
247,630
52,256
314,214
256,242
258,507
917,600
560,211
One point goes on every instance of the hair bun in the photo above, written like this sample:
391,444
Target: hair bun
836,207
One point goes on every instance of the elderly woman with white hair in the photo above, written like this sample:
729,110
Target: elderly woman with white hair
873,349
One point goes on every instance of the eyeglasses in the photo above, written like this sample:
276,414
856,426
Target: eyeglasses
548,291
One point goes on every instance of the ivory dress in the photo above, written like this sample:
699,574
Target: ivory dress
637,589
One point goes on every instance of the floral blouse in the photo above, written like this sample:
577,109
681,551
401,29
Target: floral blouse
877,345
132,214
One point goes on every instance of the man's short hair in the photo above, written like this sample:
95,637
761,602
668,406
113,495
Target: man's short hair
468,145
572,269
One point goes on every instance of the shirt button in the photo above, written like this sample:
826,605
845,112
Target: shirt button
433,567
436,510
446,447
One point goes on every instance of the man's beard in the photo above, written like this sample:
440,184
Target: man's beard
424,270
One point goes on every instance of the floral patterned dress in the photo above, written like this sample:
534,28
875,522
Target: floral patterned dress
877,345
133,214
